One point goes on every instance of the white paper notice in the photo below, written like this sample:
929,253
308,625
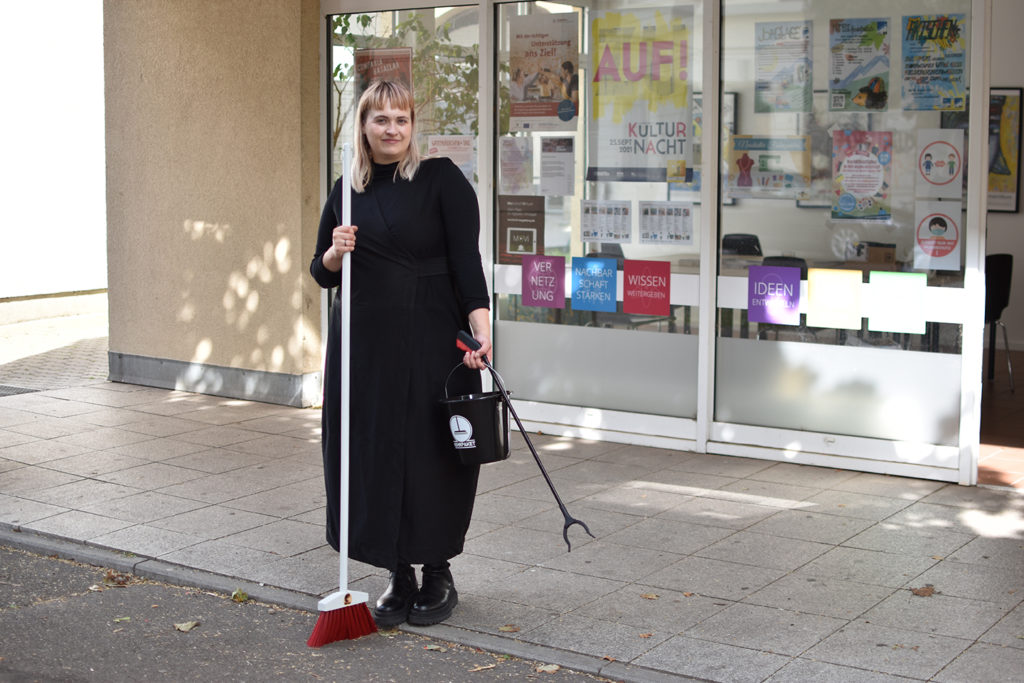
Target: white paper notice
666,223
606,221
515,158
557,167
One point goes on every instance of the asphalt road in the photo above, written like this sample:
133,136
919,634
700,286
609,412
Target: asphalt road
63,621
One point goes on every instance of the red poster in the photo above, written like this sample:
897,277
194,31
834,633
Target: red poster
645,287
385,63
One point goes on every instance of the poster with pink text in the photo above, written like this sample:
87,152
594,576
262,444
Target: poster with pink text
862,175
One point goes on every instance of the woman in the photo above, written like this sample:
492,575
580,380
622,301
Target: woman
417,280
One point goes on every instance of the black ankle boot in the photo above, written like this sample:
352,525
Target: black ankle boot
394,603
436,599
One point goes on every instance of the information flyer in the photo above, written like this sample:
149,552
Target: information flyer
782,66
520,227
594,284
940,165
606,221
778,167
515,162
862,175
543,281
557,167
935,62
459,148
641,96
544,63
858,65
646,287
666,223
938,236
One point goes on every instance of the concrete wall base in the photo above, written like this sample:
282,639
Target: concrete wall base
300,391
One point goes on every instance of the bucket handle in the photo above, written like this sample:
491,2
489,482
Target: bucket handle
452,372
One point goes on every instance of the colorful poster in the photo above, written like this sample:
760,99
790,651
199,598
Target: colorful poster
520,227
382,64
778,167
858,65
459,148
935,62
594,284
515,162
1003,149
557,167
782,66
940,163
544,281
544,91
773,295
606,221
646,287
862,175
641,97
938,236
666,223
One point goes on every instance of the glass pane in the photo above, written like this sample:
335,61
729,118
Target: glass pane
612,176
843,215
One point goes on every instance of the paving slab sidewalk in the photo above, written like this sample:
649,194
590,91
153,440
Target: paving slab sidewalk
709,567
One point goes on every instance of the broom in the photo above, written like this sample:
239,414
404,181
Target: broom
344,614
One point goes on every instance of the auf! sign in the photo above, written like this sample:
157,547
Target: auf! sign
656,60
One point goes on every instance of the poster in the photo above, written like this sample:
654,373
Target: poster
646,287
937,237
557,167
778,167
862,175
382,64
543,281
515,163
520,227
782,66
641,97
1004,125
940,163
606,221
544,89
858,65
594,284
773,295
459,148
935,62
666,223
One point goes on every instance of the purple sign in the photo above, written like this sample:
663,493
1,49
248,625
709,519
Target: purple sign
773,295
544,281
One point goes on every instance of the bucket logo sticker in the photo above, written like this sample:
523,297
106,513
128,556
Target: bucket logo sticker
462,432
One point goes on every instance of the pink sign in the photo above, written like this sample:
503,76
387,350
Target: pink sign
645,287
544,281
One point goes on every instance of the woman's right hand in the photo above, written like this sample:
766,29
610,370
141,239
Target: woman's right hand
343,239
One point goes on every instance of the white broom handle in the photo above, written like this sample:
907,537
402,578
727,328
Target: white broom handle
346,357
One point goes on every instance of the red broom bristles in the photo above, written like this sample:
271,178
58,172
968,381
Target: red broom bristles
345,623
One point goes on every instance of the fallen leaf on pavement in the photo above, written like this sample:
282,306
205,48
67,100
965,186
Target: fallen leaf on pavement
608,658
646,635
548,668
186,626
120,619
95,588
113,578
239,595
434,647
649,596
483,668
509,628
925,591
688,595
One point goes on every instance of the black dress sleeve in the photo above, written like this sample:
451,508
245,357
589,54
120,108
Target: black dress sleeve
329,220
461,216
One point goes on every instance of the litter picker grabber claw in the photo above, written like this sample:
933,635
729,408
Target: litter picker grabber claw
467,343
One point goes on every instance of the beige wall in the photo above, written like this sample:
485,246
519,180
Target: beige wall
213,181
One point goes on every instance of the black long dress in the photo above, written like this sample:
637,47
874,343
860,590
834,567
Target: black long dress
416,274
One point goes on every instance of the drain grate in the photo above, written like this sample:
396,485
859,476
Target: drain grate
6,390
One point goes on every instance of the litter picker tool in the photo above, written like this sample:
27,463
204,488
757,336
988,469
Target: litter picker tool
344,614
467,343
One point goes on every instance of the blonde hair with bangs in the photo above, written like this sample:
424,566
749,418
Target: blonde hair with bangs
379,95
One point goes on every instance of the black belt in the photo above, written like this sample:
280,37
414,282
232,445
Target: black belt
432,266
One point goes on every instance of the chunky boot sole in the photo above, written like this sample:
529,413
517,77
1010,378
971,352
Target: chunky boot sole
388,619
436,615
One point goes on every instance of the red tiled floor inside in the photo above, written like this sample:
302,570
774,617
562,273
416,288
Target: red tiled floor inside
1001,462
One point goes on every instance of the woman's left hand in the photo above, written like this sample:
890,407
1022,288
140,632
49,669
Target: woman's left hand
474,359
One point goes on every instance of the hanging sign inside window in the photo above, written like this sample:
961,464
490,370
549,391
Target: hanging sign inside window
645,287
544,281
593,284
773,295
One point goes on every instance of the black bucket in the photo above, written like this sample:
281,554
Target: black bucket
478,424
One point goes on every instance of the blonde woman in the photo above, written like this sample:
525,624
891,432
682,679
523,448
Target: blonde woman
417,280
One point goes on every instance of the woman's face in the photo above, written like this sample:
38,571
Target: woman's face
388,132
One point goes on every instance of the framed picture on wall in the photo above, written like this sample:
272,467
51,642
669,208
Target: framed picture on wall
819,125
1004,133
